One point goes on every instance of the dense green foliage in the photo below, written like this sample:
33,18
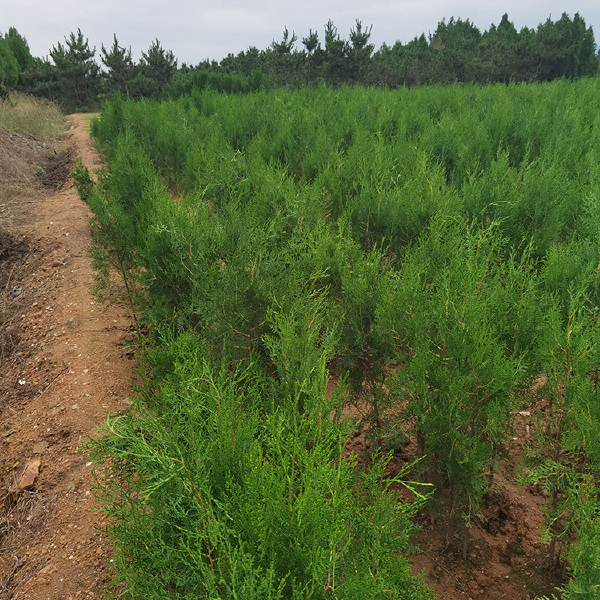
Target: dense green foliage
15,58
441,244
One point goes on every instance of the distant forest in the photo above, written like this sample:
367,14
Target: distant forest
79,78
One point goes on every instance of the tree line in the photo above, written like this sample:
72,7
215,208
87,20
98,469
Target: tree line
456,52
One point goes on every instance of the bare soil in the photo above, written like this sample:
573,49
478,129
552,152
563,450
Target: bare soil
65,365
499,556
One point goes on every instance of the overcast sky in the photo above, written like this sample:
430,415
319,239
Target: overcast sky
199,29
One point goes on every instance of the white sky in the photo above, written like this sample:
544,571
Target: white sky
197,29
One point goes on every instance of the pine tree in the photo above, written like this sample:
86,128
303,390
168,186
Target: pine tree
359,52
120,68
155,70
77,73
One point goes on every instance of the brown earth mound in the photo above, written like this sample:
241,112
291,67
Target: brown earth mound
19,157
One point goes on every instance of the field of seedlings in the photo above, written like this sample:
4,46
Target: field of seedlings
310,264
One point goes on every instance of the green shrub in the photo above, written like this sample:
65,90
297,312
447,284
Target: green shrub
224,490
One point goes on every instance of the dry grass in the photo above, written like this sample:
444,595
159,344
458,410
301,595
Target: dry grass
31,116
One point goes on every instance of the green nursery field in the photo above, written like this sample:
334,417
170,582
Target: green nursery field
434,250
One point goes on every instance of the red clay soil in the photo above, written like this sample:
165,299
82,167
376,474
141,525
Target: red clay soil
64,366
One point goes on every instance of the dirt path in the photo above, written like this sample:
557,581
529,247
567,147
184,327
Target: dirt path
67,371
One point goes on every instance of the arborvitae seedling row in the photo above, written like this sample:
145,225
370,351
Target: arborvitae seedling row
435,248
